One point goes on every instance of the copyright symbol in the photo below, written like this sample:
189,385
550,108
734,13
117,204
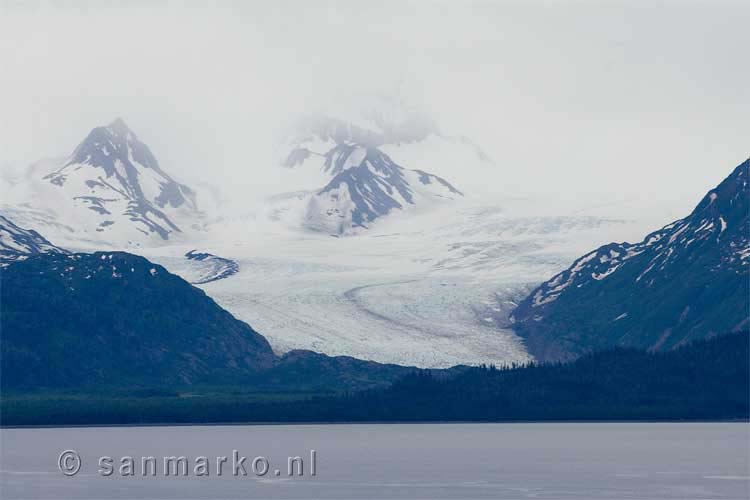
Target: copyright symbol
69,462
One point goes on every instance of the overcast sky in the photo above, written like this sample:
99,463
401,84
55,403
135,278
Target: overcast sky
641,98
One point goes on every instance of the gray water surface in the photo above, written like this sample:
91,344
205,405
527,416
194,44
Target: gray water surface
440,461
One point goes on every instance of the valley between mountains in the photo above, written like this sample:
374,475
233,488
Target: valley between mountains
358,255
431,291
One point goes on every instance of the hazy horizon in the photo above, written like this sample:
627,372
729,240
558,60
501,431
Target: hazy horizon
624,99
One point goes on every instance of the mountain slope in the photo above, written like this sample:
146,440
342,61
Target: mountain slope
87,319
367,185
686,281
17,243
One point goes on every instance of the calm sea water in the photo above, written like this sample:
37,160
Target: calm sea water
500,461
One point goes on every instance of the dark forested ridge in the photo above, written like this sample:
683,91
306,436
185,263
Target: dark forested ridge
107,318
705,380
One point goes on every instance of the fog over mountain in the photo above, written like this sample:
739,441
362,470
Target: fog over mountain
567,100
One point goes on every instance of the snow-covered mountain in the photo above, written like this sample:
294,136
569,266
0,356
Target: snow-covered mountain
110,190
686,281
352,180
116,176
17,243
367,185
408,134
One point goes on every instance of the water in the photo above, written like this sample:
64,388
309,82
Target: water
461,461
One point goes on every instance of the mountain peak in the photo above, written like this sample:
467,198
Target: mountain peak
119,127
105,145
113,172
728,194
367,184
